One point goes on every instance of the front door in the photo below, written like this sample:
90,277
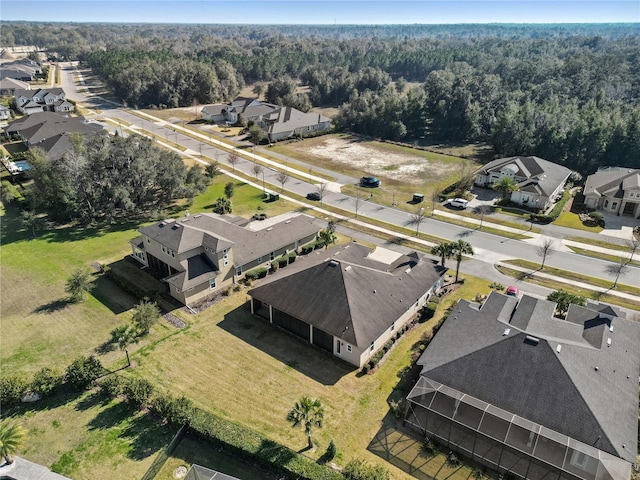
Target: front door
337,346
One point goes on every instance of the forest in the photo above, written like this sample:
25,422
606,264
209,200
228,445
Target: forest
566,93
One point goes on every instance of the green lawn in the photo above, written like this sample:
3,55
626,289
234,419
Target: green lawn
572,220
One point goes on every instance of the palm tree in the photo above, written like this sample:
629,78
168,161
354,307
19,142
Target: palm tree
459,249
443,250
327,236
308,412
125,335
11,436
505,186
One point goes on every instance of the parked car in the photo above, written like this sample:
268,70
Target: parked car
513,291
460,203
371,182
313,196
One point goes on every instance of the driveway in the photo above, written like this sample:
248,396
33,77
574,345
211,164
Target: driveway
484,196
619,226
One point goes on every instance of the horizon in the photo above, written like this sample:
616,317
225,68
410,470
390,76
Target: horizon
328,13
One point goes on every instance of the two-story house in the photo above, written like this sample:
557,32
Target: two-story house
614,190
200,254
42,100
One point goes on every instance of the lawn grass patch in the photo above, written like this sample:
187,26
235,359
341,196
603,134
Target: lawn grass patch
603,256
600,243
572,220
596,282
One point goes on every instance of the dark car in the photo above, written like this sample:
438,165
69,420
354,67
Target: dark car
313,196
371,182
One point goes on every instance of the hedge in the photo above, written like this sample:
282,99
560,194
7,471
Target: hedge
256,273
559,206
136,282
254,446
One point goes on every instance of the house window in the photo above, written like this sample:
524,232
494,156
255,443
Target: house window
225,257
148,240
371,347
606,204
348,348
212,283
614,205
393,325
238,271
272,256
259,259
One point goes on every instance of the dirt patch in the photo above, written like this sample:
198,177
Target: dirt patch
380,161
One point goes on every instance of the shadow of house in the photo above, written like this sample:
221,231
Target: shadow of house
313,363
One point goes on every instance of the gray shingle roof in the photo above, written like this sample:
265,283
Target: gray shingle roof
611,181
562,390
543,177
348,295
42,125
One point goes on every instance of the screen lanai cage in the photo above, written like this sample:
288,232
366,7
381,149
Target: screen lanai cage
504,441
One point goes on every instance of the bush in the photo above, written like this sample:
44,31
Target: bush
319,244
452,460
559,206
274,267
540,218
256,273
111,385
360,470
12,388
307,249
177,411
45,382
283,261
83,372
292,257
137,392
429,447
598,218
331,452
133,280
145,315
222,206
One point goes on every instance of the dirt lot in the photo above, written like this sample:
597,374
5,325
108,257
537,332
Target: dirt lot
398,164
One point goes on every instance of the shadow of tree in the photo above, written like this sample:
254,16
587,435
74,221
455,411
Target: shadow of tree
53,306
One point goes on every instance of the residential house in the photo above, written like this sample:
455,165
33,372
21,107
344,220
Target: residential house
348,300
614,190
5,113
539,181
38,127
514,388
277,122
22,74
200,254
285,122
42,100
8,86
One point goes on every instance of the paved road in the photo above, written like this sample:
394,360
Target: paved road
489,248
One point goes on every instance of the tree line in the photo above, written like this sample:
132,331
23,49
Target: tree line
567,94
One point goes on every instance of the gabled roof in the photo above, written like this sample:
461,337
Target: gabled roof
42,125
347,294
611,182
13,84
217,233
39,92
286,119
542,176
563,374
56,146
197,269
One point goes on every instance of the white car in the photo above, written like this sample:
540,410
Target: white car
460,203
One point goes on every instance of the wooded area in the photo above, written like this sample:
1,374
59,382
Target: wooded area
566,93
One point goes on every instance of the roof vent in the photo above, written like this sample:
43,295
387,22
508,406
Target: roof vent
559,348
162,224
175,227
197,216
611,328
347,268
608,342
596,368
269,229
333,263
287,221
531,340
506,332
375,291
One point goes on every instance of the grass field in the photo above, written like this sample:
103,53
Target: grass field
571,220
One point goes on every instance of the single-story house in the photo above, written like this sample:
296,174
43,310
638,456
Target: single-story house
39,127
10,71
539,181
198,255
42,100
8,86
511,386
277,122
614,190
348,300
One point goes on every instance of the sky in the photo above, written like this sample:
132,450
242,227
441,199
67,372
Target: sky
324,11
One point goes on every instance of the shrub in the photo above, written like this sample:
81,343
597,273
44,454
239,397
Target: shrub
283,261
496,286
83,372
146,314
256,273
292,257
111,385
397,407
137,392
559,206
360,470
177,411
45,382
222,206
452,460
274,267
307,249
331,452
12,388
319,244
598,218
429,447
